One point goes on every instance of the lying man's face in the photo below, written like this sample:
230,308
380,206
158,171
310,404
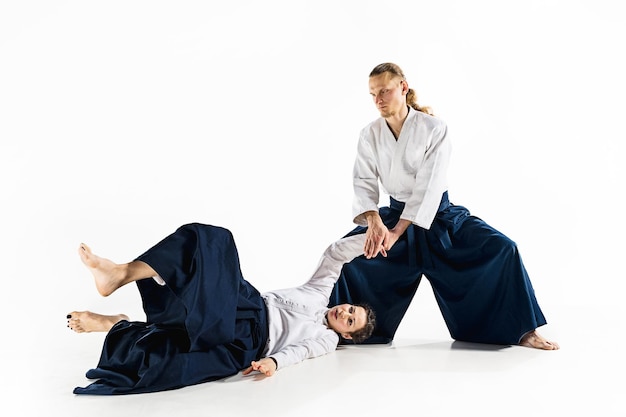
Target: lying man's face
346,319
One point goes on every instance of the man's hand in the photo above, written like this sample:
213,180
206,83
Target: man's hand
376,236
396,232
379,239
266,366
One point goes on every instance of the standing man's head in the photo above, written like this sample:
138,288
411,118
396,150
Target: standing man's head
390,91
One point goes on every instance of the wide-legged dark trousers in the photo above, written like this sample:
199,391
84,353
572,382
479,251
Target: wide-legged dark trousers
206,323
477,275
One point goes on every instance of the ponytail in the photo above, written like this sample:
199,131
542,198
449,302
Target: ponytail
411,100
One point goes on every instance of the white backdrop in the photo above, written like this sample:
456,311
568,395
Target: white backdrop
121,120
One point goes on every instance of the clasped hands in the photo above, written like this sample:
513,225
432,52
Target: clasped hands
379,239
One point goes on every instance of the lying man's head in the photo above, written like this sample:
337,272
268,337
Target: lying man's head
352,321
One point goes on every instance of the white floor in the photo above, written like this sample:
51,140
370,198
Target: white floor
422,373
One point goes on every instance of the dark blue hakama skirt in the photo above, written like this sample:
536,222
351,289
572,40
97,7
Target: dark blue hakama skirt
479,281
206,323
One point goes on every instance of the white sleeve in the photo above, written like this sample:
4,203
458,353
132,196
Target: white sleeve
364,182
332,261
307,349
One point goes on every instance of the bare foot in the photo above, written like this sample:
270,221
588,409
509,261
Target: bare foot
535,340
108,275
86,321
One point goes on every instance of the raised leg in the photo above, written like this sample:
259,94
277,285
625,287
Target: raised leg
110,276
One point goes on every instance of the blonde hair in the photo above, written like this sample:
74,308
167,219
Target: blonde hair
394,71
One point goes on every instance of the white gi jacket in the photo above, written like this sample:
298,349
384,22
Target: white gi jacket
412,169
297,316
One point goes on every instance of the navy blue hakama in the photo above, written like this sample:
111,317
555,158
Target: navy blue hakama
206,323
479,281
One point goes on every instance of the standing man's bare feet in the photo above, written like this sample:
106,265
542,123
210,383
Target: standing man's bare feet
86,321
535,340
109,276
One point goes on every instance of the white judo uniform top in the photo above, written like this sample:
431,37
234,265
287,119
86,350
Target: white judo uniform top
411,170
297,316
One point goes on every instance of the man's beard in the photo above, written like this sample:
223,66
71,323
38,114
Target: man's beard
387,113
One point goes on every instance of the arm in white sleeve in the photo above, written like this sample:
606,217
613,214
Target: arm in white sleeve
364,182
307,349
332,261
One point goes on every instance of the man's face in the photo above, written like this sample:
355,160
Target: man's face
346,319
389,94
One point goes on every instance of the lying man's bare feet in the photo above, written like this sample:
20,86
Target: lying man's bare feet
535,340
86,321
108,275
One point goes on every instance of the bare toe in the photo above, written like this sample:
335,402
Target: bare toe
86,321
533,339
